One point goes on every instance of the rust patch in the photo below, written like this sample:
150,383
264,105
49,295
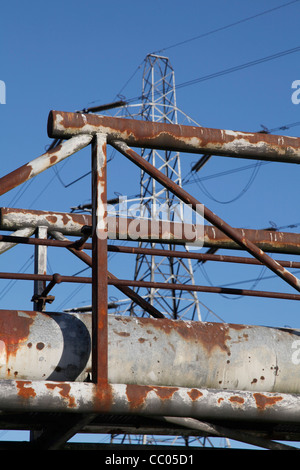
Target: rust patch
194,394
220,400
165,393
65,219
53,159
24,389
64,392
51,218
263,401
236,399
137,395
14,328
103,397
209,335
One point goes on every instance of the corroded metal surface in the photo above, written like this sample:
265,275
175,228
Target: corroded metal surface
82,397
43,162
72,224
147,134
214,219
144,351
99,259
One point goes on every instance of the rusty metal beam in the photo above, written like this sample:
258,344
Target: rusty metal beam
72,224
121,284
99,259
177,137
231,232
63,242
40,267
43,162
196,256
196,288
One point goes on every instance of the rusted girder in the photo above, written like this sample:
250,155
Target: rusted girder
99,259
122,285
70,224
43,162
173,137
208,215
63,242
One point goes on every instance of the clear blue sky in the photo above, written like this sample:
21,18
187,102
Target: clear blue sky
69,55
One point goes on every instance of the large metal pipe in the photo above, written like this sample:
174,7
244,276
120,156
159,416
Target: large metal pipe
147,134
71,224
151,352
205,404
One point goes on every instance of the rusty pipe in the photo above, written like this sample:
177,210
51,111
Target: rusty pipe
42,163
72,224
149,352
174,137
122,399
62,242
123,285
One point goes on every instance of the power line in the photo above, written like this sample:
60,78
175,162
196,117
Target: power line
239,67
222,28
227,71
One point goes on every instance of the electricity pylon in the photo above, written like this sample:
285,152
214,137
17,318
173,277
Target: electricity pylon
159,105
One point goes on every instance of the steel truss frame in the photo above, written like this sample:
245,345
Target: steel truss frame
186,408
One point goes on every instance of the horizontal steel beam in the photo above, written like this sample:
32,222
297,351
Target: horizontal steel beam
8,241
123,286
70,224
145,351
147,134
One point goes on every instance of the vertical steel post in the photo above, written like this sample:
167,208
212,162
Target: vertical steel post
40,267
99,260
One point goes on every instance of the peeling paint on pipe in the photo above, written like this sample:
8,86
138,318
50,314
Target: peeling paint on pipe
146,351
72,224
147,134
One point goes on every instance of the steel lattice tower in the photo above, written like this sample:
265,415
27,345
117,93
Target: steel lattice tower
159,105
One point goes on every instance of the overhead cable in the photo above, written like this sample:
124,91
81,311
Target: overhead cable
222,28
